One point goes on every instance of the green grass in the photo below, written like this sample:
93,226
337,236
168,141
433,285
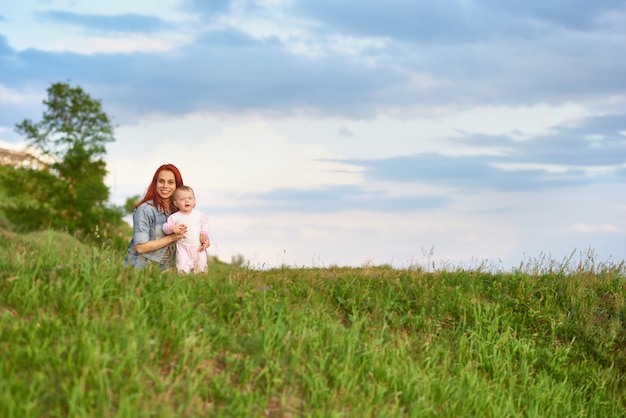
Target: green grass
82,336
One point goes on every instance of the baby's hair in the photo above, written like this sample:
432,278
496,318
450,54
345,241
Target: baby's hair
183,188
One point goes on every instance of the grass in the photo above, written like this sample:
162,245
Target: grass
82,336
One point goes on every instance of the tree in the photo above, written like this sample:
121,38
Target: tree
30,197
74,132
129,205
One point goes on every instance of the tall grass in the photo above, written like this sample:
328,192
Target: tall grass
82,336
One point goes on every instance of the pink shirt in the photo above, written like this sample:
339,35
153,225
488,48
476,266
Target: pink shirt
197,223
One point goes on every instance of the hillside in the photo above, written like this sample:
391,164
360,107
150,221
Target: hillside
80,335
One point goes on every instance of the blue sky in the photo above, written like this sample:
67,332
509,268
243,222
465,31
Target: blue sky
316,133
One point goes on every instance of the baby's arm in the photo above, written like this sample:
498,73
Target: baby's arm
204,225
204,232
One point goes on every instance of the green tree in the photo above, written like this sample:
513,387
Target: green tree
31,200
74,132
129,205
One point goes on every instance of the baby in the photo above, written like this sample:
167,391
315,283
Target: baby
190,250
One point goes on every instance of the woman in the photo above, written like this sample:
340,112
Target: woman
149,244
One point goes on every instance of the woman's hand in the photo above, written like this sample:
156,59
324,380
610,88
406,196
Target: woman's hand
177,237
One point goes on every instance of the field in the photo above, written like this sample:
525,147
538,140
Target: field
82,336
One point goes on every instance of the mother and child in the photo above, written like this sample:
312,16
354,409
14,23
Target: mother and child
167,230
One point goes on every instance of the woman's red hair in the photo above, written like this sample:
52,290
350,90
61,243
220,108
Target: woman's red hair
151,193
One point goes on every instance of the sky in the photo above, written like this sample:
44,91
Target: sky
317,133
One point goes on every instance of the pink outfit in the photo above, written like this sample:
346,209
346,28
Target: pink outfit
188,258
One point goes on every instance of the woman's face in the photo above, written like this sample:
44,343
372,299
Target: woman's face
166,184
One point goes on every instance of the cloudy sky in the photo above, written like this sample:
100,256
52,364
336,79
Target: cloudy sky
352,132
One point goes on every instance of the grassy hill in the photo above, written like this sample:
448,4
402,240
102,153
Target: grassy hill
80,335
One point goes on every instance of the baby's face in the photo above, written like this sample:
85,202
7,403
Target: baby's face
185,201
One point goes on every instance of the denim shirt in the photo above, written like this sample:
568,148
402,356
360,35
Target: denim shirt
147,226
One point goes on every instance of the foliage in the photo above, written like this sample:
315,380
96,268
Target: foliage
72,195
129,205
33,198
74,126
80,335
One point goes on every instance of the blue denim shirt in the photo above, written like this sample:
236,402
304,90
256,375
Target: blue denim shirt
147,226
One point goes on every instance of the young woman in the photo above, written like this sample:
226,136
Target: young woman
149,245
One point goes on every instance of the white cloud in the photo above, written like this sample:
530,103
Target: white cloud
110,7
256,157
502,229
300,36
251,154
24,29
249,157
515,122
384,136
592,170
88,45
585,228
10,146
355,238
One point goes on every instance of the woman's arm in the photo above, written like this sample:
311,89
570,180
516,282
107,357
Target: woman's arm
157,243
